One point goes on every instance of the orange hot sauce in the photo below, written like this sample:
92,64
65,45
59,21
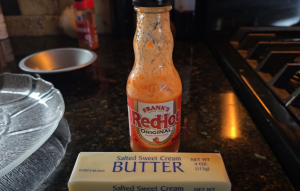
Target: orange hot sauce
154,86
86,24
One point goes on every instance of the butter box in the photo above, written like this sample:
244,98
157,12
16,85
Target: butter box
149,172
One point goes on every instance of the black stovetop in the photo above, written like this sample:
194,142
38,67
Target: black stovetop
262,65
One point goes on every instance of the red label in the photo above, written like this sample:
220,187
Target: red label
154,125
84,30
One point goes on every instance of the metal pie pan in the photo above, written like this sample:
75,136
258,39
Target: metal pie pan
57,60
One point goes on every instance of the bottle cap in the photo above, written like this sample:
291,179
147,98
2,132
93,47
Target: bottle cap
83,4
151,3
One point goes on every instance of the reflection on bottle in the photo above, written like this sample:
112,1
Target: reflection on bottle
230,120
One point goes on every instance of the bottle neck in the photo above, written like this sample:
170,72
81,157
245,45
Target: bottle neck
153,40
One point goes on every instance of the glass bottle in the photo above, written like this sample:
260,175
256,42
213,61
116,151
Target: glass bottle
154,86
86,24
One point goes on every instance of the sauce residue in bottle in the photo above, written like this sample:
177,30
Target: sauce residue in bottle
154,86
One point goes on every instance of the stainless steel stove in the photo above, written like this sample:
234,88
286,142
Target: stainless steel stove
263,65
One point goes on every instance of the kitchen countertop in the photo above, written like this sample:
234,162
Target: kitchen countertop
213,118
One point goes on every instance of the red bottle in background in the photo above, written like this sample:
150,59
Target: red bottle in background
86,24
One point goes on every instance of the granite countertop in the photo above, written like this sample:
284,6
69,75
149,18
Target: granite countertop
213,118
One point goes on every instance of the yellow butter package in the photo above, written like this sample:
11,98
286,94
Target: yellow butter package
117,171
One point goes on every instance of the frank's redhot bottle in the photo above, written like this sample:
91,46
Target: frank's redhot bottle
154,86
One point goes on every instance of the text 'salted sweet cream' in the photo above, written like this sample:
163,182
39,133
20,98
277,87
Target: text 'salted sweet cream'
149,171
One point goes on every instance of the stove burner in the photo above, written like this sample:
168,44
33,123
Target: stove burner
296,78
294,83
297,59
274,79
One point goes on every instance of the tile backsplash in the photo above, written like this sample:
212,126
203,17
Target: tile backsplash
41,17
39,7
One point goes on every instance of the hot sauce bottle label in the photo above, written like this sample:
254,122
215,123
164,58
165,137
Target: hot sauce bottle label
154,125
84,30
